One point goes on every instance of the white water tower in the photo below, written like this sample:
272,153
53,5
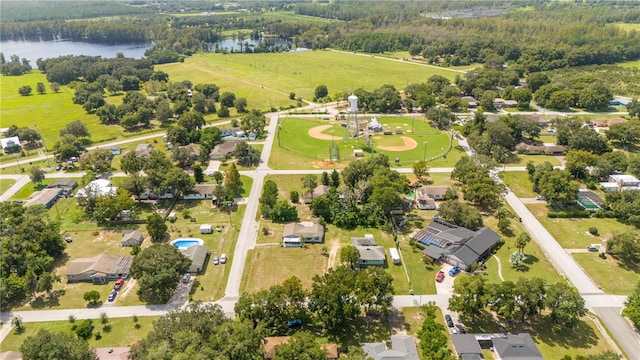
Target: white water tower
353,103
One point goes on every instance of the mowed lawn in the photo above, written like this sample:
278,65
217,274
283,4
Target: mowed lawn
518,182
610,273
123,332
5,184
300,150
574,233
267,79
49,112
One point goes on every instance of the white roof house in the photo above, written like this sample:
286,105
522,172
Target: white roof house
620,182
99,187
9,141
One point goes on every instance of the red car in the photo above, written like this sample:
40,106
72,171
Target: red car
440,276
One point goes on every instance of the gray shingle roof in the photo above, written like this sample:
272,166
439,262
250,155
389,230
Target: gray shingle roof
517,347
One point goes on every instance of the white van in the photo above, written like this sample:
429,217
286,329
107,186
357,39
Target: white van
223,258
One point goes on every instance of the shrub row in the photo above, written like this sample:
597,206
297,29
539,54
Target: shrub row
569,214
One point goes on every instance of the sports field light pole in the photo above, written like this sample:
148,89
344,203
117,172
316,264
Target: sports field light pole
424,157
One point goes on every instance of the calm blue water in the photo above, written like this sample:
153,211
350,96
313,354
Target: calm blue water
33,50
185,243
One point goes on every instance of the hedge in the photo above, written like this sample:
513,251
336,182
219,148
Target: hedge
569,214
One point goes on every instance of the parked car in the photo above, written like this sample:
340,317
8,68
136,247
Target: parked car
118,284
454,331
592,248
68,239
223,259
58,167
440,276
112,296
539,197
294,324
186,278
216,260
454,270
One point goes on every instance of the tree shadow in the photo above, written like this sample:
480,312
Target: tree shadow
370,328
531,259
52,300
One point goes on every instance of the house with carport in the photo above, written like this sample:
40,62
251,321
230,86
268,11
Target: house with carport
296,234
99,269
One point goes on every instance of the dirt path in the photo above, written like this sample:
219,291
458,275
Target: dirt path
409,144
129,284
499,267
333,254
316,132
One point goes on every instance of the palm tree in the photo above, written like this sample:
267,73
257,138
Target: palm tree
522,240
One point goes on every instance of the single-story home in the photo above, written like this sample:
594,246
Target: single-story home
224,149
540,149
505,346
224,132
270,343
502,103
198,255
46,197
132,238
621,182
143,150
193,149
433,192
206,229
295,234
455,245
318,191
99,269
67,186
99,187
427,203
200,192
472,103
370,253
10,144
403,347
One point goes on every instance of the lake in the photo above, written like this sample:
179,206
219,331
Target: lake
33,50
232,45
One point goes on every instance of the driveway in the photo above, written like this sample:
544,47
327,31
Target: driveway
446,286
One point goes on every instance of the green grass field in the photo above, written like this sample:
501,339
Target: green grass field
518,182
5,184
609,273
306,151
631,64
123,332
267,79
49,112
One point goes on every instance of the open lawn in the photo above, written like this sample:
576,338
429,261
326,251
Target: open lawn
610,273
301,150
267,79
535,265
48,112
522,160
518,182
123,332
5,184
631,64
574,233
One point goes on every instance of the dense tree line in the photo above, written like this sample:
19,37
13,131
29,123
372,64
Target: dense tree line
16,11
371,191
337,299
527,297
478,188
14,66
30,243
623,206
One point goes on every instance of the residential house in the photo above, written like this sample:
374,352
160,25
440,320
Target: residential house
621,182
370,253
295,234
430,192
46,197
466,347
224,149
502,103
425,203
318,191
99,187
224,132
607,122
193,149
143,150
270,343
132,238
516,347
540,149
200,192
10,145
403,347
472,103
66,186
99,269
455,245
198,255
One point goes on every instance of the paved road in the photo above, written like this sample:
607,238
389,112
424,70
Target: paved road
21,181
620,329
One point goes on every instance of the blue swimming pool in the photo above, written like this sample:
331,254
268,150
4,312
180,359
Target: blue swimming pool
186,242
